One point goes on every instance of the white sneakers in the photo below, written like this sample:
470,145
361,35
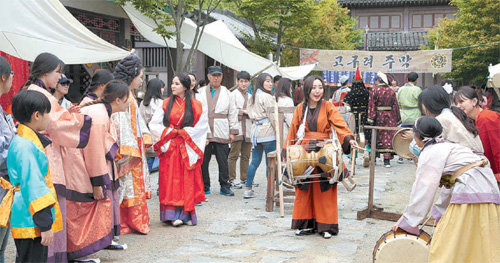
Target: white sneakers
177,222
249,194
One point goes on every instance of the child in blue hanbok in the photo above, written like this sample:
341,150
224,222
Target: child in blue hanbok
31,199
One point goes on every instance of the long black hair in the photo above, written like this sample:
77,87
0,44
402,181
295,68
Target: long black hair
153,90
43,64
467,92
27,102
435,99
260,85
283,88
5,68
188,120
308,86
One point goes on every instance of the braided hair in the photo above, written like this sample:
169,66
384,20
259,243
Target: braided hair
128,68
113,90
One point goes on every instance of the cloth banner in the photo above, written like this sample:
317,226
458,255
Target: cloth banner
331,78
21,74
421,61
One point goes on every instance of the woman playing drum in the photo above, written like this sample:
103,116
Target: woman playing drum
468,215
315,207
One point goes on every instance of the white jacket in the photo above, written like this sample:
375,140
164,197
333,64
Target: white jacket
222,113
242,101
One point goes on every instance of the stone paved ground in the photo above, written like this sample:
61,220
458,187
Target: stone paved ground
233,229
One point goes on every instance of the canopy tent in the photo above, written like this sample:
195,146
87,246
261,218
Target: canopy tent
219,43
30,27
494,78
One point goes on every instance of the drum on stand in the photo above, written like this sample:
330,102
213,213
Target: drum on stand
401,246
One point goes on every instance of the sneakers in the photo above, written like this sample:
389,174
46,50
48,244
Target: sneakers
177,222
116,246
226,191
207,192
236,185
401,160
387,163
307,231
249,194
326,235
87,260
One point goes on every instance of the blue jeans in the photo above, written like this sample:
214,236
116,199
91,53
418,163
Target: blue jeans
4,237
266,147
153,163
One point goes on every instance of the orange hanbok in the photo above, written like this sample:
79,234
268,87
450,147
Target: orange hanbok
316,203
135,188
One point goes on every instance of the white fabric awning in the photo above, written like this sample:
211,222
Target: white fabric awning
219,43
30,27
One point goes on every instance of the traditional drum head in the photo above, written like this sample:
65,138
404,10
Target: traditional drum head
301,157
402,146
401,246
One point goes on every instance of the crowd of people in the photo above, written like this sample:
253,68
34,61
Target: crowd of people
76,177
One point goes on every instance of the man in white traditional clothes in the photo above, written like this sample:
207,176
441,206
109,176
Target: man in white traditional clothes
224,126
241,146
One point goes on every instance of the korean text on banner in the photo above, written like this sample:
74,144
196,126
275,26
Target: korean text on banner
422,61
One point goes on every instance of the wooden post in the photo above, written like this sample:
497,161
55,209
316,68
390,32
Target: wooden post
270,182
371,186
279,175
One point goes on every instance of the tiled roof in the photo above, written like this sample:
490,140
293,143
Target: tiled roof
398,40
385,3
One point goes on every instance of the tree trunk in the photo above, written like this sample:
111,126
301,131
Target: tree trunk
278,42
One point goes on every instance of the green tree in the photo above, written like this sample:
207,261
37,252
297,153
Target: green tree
285,26
476,22
168,13
331,28
271,20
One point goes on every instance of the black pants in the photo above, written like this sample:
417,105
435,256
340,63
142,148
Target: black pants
221,151
30,250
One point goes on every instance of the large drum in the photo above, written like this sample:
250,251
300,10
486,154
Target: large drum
303,158
402,146
401,246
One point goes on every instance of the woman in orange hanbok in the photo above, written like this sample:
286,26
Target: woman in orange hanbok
133,139
315,208
180,130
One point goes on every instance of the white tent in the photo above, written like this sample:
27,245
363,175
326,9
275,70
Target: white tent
30,27
219,43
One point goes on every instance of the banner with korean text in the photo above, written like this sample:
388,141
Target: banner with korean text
421,61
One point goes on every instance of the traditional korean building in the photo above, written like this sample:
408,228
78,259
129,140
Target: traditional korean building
399,25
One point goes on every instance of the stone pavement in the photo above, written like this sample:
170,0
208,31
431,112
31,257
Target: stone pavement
233,229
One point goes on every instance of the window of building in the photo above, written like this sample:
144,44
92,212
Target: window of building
363,21
374,22
428,20
380,21
395,21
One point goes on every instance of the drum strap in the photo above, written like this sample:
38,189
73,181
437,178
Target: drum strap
464,169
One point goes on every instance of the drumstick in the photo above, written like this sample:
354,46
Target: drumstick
278,155
353,161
